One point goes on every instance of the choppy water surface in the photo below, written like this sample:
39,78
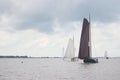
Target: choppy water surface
58,69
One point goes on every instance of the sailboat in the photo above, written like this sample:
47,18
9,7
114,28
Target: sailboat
105,55
85,43
70,50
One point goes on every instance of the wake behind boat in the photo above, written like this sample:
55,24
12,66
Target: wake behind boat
85,43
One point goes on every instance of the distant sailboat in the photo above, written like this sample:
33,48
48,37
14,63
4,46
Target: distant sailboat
105,55
70,50
85,43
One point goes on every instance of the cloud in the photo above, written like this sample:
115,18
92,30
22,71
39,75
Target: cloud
105,38
31,42
28,26
40,15
5,6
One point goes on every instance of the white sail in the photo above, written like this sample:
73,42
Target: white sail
70,52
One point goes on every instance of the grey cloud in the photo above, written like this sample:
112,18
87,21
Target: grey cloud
5,6
35,20
45,27
39,15
102,11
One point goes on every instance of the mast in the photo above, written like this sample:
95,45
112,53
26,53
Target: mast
90,47
73,47
63,51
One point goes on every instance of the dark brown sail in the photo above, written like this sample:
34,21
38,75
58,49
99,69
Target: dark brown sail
84,49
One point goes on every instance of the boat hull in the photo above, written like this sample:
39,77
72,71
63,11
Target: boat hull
90,60
74,59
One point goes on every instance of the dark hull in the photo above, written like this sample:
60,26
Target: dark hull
107,57
90,60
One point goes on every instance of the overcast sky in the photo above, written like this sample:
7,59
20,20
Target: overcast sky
43,27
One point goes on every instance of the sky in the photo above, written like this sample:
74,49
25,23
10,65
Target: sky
42,28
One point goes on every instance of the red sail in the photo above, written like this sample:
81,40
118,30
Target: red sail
84,49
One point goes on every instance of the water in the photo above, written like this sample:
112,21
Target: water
58,69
